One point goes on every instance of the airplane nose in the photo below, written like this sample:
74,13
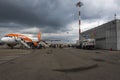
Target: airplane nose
4,39
9,40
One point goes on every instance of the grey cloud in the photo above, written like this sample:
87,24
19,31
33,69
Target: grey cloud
99,9
53,15
12,13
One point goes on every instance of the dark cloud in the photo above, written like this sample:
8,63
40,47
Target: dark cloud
53,15
43,13
10,12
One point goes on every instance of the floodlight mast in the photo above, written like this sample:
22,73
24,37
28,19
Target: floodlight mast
115,16
79,5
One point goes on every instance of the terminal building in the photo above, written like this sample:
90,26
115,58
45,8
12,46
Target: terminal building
107,36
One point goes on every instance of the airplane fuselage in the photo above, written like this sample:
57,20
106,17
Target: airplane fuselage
13,39
9,40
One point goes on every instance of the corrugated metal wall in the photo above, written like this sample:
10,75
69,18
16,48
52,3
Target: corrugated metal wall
105,35
118,35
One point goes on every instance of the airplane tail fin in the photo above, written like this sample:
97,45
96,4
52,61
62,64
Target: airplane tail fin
39,36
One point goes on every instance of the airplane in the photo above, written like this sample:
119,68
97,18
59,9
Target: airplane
12,39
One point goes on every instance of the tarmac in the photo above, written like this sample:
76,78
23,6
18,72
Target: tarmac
59,64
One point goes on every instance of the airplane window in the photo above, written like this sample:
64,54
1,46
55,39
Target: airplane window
6,36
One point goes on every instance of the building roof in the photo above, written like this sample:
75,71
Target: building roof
113,22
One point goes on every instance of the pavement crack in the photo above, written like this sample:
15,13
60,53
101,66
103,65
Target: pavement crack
77,69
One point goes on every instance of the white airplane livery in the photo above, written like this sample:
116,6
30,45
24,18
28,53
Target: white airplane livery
12,39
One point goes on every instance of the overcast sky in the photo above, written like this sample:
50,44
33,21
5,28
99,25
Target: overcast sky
56,19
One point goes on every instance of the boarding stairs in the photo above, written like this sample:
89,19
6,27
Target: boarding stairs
22,42
43,43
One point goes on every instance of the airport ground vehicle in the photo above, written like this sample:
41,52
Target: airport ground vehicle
86,43
78,44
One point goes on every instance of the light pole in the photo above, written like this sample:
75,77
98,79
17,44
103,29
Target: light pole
79,5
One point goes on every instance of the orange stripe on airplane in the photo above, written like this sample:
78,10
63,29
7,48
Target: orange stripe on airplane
20,36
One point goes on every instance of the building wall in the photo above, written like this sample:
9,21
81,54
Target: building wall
105,35
118,35
111,35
